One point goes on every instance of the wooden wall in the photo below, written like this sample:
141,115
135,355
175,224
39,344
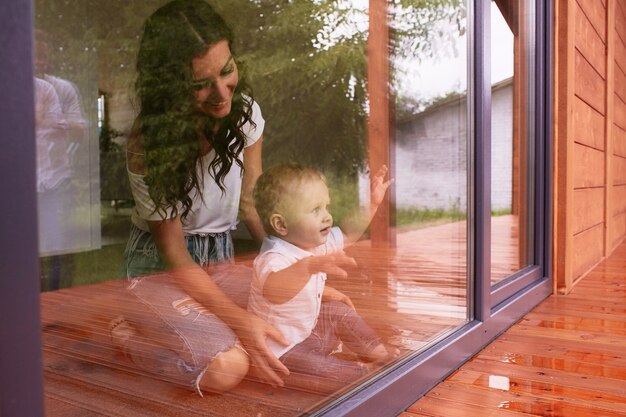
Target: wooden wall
617,131
590,135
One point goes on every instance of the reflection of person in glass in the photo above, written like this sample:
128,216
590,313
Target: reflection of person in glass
52,167
193,158
69,96
61,128
289,289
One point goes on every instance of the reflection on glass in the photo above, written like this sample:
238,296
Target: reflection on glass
510,193
428,277
318,97
67,219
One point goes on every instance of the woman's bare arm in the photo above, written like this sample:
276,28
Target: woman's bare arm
253,168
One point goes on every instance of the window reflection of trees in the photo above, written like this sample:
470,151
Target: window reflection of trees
306,61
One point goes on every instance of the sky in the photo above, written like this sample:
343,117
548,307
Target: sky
437,76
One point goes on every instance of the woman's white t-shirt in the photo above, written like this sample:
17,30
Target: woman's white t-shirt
212,210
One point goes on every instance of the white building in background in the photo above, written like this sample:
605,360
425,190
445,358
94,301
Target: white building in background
431,151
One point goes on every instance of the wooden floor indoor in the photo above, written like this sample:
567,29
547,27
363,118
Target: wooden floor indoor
566,358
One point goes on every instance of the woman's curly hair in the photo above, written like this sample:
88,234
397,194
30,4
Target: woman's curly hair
169,120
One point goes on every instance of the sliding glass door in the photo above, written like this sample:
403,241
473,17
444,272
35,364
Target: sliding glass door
450,96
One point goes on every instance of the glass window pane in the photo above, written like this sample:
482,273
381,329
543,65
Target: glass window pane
511,133
145,116
67,156
430,160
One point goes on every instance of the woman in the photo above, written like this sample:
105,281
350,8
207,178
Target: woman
193,159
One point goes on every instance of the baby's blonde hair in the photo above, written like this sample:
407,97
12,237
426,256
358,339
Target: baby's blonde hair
277,183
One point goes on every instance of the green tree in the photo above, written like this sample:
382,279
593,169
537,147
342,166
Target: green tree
308,80
306,61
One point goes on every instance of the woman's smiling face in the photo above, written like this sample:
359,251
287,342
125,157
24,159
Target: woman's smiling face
215,78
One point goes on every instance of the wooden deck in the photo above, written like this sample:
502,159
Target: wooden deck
411,296
567,358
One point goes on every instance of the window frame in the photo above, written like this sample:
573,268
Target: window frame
21,372
494,310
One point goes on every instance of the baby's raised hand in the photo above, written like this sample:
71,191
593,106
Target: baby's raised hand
378,186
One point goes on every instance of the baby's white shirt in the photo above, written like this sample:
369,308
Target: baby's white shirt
296,318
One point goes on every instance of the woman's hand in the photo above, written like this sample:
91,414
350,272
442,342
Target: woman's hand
264,365
331,294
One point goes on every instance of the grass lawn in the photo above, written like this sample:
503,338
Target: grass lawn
105,264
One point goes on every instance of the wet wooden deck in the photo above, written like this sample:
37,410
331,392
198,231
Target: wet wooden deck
85,376
567,358
411,296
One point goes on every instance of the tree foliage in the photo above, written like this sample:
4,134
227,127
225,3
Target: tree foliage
306,61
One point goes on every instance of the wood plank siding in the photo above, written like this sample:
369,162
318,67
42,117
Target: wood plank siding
590,135
617,133
566,358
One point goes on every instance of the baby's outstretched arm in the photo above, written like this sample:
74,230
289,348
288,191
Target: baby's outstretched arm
281,286
354,227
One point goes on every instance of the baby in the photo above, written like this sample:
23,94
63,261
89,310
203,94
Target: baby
288,288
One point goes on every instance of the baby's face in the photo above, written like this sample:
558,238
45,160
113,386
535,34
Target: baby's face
307,215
